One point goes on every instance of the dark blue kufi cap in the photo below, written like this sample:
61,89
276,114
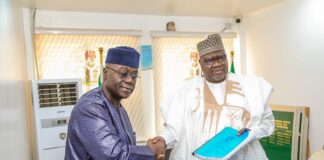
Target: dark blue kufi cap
123,55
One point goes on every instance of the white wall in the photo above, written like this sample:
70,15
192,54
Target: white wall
285,44
90,20
14,141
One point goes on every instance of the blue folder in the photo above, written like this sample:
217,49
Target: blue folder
223,145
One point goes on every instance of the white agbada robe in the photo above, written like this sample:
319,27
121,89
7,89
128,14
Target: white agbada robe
194,114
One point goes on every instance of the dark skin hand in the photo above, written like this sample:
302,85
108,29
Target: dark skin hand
242,131
158,147
156,140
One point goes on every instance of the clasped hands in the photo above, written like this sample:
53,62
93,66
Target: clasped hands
158,146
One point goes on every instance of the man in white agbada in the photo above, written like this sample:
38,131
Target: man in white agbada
205,105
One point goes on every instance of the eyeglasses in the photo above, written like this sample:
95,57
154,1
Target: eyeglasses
124,75
218,59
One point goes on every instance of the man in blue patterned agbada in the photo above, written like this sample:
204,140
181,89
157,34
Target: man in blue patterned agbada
99,127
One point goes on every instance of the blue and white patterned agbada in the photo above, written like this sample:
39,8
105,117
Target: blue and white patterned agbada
99,131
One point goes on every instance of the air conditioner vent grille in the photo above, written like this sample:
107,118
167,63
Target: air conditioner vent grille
57,94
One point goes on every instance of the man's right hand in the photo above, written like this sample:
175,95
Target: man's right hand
157,144
157,139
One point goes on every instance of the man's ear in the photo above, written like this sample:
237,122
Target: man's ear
200,63
105,70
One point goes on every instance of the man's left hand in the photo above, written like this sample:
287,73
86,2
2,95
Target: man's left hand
242,131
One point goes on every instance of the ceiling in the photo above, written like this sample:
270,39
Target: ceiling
206,8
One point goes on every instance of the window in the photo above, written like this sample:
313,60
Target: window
77,56
175,60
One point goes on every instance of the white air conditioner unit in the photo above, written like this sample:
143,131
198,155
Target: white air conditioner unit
53,101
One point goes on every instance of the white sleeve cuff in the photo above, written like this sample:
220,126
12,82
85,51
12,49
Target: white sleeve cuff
168,136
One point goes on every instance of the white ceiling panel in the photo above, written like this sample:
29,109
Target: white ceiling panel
208,8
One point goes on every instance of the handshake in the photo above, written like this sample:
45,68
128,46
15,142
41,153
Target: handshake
158,146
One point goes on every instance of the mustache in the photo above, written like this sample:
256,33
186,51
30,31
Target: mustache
129,87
